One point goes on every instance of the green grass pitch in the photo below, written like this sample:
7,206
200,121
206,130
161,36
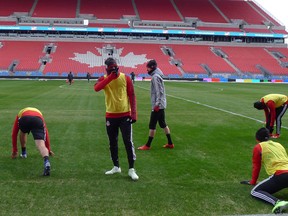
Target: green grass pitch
212,126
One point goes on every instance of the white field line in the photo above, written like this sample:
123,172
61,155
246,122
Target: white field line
74,87
212,107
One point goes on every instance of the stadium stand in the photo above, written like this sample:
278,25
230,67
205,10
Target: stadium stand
8,8
178,55
280,55
195,57
135,53
103,9
62,58
247,59
280,31
54,9
282,51
161,10
108,25
25,55
204,28
201,9
8,23
247,30
89,57
247,13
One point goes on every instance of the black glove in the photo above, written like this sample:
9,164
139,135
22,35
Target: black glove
131,120
246,182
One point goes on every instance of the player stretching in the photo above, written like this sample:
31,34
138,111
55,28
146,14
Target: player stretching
121,112
31,119
273,157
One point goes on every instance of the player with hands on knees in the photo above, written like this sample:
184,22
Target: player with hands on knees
273,157
121,112
274,106
31,120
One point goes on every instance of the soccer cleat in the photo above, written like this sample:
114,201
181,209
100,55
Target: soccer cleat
46,169
23,155
171,146
144,147
275,136
114,170
132,174
279,207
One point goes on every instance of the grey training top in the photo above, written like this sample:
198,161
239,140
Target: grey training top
158,95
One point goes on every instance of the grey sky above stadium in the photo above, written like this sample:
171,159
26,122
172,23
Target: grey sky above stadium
278,8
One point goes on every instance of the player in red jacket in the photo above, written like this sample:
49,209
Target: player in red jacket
273,157
31,120
274,106
120,101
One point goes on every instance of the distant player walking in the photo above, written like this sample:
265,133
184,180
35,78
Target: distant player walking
121,112
70,78
31,119
158,102
275,106
273,157
132,74
88,76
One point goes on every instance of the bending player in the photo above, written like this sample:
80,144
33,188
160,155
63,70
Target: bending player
274,106
31,119
274,158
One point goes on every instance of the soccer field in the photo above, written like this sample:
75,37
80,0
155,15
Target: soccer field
212,126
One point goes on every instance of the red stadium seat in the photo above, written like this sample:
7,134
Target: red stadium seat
27,54
54,9
161,10
103,9
8,8
201,9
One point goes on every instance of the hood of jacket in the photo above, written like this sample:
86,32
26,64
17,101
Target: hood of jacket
158,72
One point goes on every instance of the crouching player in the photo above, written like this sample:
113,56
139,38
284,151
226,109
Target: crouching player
274,158
31,119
